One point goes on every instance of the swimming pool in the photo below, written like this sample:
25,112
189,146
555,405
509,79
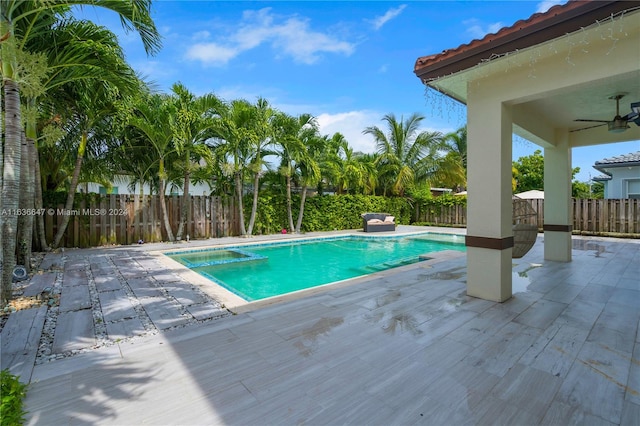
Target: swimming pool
259,271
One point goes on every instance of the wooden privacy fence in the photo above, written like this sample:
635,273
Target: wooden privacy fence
591,216
125,219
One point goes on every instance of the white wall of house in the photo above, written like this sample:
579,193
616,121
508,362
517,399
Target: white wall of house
121,186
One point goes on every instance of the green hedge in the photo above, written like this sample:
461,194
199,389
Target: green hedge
435,204
445,200
325,212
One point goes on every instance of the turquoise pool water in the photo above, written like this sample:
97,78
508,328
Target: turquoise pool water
260,271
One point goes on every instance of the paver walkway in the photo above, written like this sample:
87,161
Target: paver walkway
408,347
105,296
19,341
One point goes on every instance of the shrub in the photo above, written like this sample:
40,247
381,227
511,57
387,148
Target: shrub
11,405
326,212
435,206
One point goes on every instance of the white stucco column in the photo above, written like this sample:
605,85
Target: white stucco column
489,237
557,199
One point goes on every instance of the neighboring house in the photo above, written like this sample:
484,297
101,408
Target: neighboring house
621,178
436,192
121,185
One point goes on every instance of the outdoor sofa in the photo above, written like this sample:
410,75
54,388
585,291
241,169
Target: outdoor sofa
378,222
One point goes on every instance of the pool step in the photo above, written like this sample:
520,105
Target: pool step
369,269
247,256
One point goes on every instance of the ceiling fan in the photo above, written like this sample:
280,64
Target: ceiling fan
618,124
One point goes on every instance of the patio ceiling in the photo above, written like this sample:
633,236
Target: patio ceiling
603,30
592,102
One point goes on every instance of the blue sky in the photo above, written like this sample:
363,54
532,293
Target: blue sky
347,63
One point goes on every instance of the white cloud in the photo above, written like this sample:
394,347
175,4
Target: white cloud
545,5
201,35
303,45
477,30
211,53
256,28
383,69
379,21
291,37
351,124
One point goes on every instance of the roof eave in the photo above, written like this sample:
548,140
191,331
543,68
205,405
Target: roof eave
560,20
600,166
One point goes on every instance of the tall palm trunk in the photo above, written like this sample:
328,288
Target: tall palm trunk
163,202
254,205
42,238
25,221
303,198
10,183
31,187
72,191
238,179
2,139
186,201
289,215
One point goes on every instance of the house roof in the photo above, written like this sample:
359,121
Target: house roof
627,160
538,28
601,178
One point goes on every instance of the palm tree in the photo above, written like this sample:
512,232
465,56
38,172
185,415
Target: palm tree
192,128
309,169
262,125
357,172
403,160
367,164
331,162
292,134
94,100
456,146
153,116
25,222
19,22
233,127
11,168
76,53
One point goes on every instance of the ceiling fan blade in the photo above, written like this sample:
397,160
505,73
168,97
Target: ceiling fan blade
588,127
593,121
631,116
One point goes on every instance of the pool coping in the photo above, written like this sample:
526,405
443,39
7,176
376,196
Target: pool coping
237,304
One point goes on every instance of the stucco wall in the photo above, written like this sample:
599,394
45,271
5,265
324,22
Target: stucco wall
123,188
624,180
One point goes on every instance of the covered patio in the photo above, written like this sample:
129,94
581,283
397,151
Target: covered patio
535,79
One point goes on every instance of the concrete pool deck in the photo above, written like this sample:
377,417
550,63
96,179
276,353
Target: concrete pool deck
409,347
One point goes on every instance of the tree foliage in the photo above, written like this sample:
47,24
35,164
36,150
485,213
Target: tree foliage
529,172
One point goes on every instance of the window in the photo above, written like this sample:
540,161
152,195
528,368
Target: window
633,188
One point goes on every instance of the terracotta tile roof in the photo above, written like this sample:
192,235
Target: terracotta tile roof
538,28
620,160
